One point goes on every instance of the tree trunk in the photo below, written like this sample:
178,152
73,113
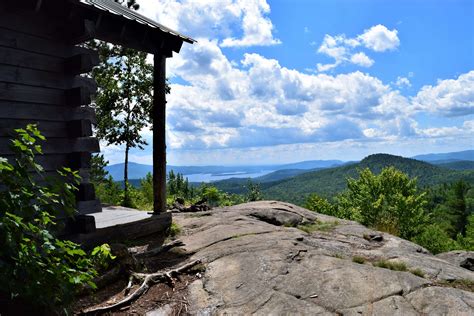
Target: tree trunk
126,198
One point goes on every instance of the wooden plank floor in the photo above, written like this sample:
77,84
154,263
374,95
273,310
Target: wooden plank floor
116,215
119,224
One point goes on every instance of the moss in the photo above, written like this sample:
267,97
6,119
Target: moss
359,259
418,272
391,265
318,226
174,230
463,284
338,256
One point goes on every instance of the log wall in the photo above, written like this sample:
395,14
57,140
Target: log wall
41,82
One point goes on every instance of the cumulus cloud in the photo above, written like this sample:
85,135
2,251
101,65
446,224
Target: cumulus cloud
217,19
341,48
229,107
267,104
379,38
361,59
450,97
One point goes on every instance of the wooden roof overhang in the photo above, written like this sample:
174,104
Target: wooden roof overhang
82,20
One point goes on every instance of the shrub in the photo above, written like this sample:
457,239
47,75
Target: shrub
174,230
388,201
392,265
359,259
418,272
435,239
35,266
321,205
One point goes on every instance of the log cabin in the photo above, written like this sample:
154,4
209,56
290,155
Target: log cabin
42,67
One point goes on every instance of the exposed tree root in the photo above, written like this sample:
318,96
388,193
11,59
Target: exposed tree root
158,250
148,278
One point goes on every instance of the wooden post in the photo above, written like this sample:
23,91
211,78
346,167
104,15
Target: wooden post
159,138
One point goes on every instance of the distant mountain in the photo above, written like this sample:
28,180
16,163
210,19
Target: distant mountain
138,171
328,182
457,165
311,164
447,157
135,170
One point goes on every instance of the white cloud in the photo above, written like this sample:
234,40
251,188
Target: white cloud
258,108
450,97
361,59
379,38
217,19
402,82
264,103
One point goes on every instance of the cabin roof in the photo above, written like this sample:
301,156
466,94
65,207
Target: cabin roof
119,10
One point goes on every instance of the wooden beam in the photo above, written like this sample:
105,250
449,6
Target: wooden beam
159,137
82,62
45,79
58,145
38,112
19,58
80,128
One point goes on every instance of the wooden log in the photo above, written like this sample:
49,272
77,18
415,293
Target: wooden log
79,160
81,224
81,62
79,128
30,60
78,96
88,207
46,79
51,130
159,139
38,112
84,31
23,93
86,192
48,128
40,25
59,145
31,43
157,224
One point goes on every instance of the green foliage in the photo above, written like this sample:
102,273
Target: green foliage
467,241
392,265
329,182
418,272
253,192
34,265
317,226
389,201
178,186
435,239
98,174
359,259
174,230
109,192
124,96
321,205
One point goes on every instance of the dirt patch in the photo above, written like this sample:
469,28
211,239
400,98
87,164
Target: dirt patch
156,297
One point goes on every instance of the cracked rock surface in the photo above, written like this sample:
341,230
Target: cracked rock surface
259,262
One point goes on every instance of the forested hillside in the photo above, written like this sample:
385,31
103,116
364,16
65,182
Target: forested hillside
329,182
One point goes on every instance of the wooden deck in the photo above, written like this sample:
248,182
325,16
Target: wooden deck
119,224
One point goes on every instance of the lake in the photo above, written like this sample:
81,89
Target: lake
210,177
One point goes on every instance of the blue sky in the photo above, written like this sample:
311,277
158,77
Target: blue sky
282,81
